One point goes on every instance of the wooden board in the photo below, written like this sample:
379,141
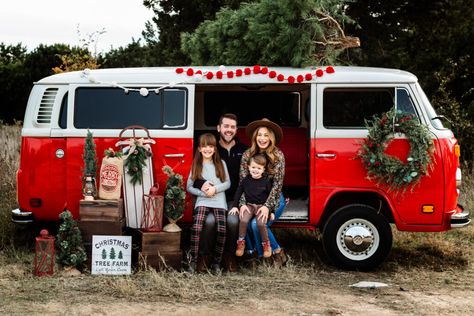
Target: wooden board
101,210
90,228
133,194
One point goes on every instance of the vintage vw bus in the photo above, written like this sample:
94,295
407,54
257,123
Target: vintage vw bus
321,111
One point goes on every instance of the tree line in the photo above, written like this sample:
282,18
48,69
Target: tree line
433,39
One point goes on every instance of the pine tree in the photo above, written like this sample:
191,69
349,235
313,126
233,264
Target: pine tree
112,253
90,157
174,194
71,253
120,254
272,32
104,254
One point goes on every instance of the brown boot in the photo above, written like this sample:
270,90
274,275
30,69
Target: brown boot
230,264
202,263
279,259
240,248
267,249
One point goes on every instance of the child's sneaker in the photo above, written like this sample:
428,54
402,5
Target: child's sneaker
267,249
240,248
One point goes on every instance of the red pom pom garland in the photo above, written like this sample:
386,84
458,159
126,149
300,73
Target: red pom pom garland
255,70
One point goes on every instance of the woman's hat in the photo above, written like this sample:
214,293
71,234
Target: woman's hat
250,129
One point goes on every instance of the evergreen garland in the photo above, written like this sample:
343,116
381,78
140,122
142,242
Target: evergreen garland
135,162
389,170
71,253
90,158
174,194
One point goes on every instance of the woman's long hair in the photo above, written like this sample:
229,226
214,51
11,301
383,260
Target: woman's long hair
207,139
269,151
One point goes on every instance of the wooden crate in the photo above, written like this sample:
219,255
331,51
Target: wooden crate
156,249
161,260
152,242
101,210
90,228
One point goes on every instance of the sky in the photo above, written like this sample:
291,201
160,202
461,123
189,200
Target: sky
34,22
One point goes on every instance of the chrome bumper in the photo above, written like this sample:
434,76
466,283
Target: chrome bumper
461,218
21,217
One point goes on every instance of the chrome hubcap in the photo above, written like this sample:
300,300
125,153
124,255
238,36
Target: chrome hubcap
358,239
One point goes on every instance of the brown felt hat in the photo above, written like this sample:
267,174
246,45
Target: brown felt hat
250,129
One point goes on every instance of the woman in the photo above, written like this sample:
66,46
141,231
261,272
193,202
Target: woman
265,135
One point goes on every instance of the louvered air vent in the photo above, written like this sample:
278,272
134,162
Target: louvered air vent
46,107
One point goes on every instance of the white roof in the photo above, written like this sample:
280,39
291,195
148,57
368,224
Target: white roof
167,75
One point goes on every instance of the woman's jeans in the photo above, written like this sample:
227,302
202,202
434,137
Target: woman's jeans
253,241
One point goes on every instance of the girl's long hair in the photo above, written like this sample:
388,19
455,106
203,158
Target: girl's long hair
207,139
269,151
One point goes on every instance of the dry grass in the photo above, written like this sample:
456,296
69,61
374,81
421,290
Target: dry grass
431,263
9,160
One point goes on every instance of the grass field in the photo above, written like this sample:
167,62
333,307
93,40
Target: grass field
427,274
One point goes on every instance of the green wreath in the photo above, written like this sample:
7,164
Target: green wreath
389,170
135,163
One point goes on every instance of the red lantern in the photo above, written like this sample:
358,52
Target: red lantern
44,255
152,219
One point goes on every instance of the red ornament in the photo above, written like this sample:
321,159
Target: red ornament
190,71
300,78
330,70
272,74
280,77
199,72
238,72
44,254
256,69
308,77
247,71
319,73
264,70
230,74
209,75
219,74
152,219
291,79
179,70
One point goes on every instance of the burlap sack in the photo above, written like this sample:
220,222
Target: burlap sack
111,174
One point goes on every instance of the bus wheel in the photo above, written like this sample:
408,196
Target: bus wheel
356,237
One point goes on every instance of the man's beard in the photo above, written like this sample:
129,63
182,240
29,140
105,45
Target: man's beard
225,141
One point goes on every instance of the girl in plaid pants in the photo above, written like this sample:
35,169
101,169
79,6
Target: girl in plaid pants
208,181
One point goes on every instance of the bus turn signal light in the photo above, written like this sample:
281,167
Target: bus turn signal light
427,209
457,150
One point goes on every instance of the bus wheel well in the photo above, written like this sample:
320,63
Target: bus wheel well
371,199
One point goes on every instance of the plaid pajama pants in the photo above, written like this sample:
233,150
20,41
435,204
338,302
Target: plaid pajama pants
199,216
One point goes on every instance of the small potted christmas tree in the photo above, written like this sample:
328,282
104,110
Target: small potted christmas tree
89,187
174,199
71,253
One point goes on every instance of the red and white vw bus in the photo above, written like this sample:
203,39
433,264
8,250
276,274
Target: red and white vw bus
321,111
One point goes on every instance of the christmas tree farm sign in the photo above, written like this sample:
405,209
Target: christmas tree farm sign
111,255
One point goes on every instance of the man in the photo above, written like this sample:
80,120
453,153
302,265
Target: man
230,150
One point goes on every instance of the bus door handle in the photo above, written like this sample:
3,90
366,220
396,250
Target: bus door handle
326,155
174,155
